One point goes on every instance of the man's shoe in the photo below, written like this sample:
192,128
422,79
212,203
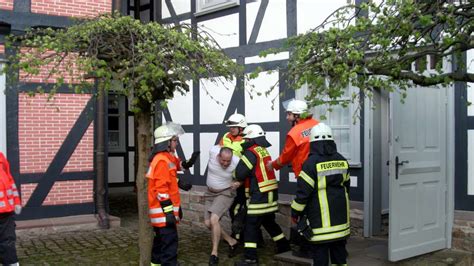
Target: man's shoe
233,250
213,260
246,262
283,248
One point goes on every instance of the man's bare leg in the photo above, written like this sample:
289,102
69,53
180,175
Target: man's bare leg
216,233
232,241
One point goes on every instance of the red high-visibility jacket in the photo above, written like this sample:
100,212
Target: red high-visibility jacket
162,185
296,148
9,197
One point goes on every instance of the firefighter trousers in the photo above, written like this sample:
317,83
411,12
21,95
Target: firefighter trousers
165,246
7,239
252,227
336,250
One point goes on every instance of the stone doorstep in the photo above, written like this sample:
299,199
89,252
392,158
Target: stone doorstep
62,224
287,258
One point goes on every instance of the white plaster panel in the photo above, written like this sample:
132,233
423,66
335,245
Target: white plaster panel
131,166
274,150
470,85
258,108
270,57
181,106
214,100
274,21
3,115
207,141
311,13
470,162
353,181
116,170
131,131
225,30
179,6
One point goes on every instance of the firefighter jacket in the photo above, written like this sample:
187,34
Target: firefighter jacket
234,143
261,184
296,148
323,193
163,192
9,197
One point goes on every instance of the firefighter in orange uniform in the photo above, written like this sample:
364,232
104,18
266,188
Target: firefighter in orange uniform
163,194
296,148
296,151
9,204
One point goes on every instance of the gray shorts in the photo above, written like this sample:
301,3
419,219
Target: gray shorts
218,203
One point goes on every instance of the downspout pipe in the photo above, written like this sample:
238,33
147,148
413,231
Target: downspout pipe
100,184
100,189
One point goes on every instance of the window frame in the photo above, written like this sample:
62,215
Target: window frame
121,106
202,8
354,155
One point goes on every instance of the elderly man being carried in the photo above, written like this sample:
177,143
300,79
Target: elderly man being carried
219,196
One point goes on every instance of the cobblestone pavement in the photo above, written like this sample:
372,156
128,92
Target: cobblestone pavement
119,246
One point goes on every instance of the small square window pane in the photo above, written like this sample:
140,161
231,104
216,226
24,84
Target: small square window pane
114,140
113,123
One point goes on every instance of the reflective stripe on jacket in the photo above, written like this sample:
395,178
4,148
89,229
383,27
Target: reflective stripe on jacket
322,195
9,196
260,182
296,148
162,185
233,143
266,179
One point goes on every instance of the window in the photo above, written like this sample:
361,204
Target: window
208,6
116,123
346,133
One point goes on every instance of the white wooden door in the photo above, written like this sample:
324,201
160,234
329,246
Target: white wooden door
418,174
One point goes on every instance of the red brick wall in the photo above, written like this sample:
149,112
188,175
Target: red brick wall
62,192
71,8
6,4
42,128
44,75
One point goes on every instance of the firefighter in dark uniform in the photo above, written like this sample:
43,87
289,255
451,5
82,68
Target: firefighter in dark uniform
321,206
262,186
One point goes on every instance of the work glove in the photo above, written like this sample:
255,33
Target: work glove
170,219
187,164
17,209
184,185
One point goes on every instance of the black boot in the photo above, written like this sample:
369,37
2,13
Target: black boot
282,245
213,260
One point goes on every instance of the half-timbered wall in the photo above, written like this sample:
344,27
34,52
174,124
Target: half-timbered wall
464,164
243,32
50,144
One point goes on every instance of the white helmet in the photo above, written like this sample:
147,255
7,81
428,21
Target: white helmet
296,106
320,132
167,131
253,131
236,120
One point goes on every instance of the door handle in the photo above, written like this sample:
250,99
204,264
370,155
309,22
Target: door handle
397,164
